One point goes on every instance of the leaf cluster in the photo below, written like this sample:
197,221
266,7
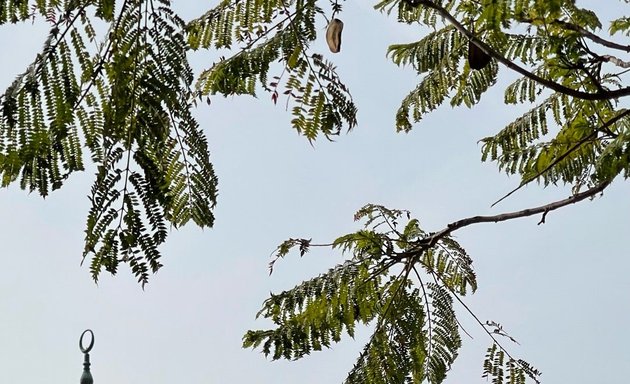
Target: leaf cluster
128,103
502,368
265,32
392,282
125,98
575,122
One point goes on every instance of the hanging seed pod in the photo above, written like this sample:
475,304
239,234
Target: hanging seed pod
477,59
333,35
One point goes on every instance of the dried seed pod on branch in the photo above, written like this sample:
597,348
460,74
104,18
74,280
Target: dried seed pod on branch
333,35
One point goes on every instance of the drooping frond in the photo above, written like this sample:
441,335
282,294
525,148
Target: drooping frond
316,312
524,48
501,368
443,333
439,56
452,265
156,165
269,32
584,135
525,89
614,158
428,53
473,84
129,103
527,129
397,350
415,337
39,142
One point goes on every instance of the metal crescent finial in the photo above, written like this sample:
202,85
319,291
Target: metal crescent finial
86,376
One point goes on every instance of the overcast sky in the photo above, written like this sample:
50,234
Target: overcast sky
561,289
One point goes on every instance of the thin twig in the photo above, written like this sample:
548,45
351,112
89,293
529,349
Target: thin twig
472,314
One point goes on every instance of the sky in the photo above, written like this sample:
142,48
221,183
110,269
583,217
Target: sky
561,289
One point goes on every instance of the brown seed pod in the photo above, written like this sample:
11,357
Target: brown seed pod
333,35
477,59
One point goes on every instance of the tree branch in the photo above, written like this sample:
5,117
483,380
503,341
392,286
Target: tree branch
589,35
544,209
600,95
618,62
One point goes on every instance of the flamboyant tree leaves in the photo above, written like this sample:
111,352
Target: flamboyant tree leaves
127,104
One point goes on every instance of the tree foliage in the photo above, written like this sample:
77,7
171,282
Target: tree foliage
575,132
113,79
126,95
128,103
398,279
264,32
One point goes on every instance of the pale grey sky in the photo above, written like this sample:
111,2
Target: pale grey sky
562,288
